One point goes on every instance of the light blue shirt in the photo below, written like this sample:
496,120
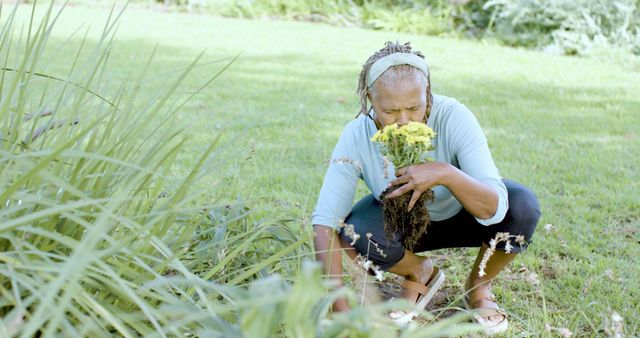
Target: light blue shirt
459,141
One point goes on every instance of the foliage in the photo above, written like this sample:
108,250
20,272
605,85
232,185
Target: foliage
99,237
341,12
582,27
568,26
282,105
289,96
96,236
405,145
417,20
87,222
565,26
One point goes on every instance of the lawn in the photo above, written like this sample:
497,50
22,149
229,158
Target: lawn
564,126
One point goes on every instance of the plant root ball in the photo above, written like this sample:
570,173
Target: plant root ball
410,226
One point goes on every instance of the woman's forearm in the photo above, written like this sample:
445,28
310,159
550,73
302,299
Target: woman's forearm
329,254
327,244
479,198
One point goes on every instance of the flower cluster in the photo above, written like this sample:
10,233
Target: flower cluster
406,145
500,237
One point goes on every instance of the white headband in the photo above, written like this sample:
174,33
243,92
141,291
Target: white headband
382,64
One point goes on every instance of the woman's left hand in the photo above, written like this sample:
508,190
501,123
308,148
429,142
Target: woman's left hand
419,178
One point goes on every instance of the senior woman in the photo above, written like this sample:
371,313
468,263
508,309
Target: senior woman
472,202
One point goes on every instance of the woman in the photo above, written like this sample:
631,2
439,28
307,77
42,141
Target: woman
472,202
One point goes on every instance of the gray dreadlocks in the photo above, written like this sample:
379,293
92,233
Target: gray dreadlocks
388,49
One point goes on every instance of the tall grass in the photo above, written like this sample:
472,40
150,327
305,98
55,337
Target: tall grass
83,229
97,235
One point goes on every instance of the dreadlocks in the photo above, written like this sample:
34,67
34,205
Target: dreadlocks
388,49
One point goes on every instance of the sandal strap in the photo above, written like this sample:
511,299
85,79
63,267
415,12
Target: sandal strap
422,289
477,295
414,286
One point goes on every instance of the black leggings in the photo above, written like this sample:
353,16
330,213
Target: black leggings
461,230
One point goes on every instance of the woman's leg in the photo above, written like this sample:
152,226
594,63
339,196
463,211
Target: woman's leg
521,219
388,254
482,285
414,268
462,230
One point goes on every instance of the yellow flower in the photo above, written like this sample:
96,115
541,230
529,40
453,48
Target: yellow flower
416,128
376,137
405,145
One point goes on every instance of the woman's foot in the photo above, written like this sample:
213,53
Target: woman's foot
421,275
487,313
419,288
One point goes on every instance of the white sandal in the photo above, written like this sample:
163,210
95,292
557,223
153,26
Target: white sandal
425,294
480,314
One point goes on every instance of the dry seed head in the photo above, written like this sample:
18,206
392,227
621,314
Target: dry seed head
614,326
492,243
379,274
508,247
380,251
346,160
350,232
562,331
367,265
483,262
502,236
499,237
385,167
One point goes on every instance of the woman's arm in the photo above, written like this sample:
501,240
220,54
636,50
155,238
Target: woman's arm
474,181
329,253
479,198
334,204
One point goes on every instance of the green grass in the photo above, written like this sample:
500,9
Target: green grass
566,127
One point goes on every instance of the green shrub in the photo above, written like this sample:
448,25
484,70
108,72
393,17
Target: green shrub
582,27
93,226
568,26
417,20
562,26
402,16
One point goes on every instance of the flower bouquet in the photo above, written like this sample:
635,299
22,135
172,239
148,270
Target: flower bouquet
405,146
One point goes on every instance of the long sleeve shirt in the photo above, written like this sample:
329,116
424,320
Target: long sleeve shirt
459,141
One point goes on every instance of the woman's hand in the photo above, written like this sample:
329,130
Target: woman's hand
419,178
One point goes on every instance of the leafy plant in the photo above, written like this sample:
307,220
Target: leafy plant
569,27
97,237
86,222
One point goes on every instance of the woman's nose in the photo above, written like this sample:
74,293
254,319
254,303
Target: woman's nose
403,119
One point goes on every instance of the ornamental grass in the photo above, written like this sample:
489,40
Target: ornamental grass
100,237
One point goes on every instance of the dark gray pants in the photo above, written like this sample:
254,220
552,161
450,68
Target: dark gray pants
461,230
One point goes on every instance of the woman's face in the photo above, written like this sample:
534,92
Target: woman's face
400,100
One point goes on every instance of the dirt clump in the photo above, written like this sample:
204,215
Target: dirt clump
411,225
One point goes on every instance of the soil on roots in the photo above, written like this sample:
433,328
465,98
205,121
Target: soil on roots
409,225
